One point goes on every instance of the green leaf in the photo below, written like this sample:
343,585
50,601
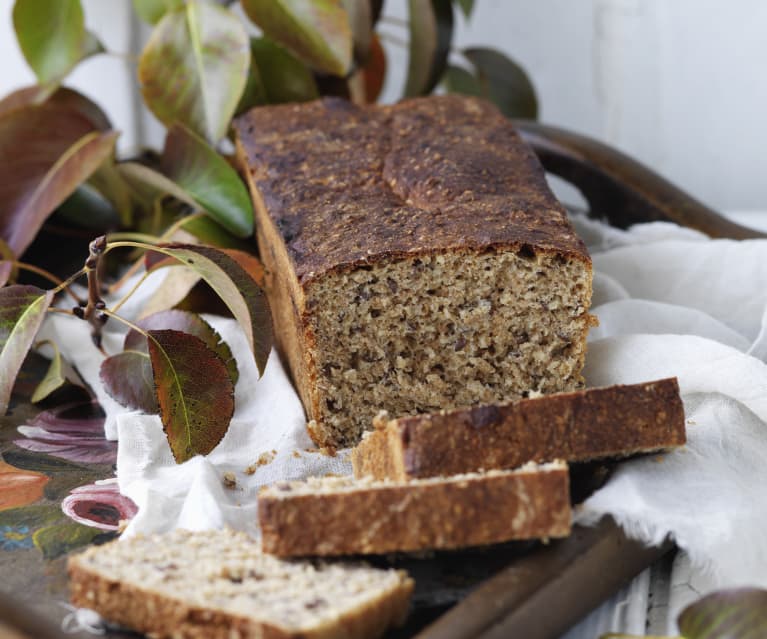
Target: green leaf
317,31
75,166
151,183
728,614
189,162
236,287
62,538
86,207
22,309
459,80
52,37
194,67
195,393
431,31
210,232
54,376
504,82
151,11
276,76
466,7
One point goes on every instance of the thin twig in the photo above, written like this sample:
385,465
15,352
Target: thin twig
61,285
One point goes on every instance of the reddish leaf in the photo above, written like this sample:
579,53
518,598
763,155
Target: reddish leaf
22,309
19,487
127,377
186,322
63,99
236,287
194,391
47,153
374,71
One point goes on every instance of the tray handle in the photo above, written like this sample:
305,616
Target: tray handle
620,189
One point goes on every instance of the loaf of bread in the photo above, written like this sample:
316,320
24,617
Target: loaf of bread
342,516
579,426
218,585
416,259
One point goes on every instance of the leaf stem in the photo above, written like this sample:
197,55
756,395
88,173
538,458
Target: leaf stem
128,323
132,290
146,238
61,284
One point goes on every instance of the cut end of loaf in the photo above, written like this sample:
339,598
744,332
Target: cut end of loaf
218,584
443,331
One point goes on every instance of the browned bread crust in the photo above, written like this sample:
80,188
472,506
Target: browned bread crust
164,613
347,186
340,189
373,518
584,425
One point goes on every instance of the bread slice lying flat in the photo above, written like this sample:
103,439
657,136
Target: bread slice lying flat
601,422
218,585
340,515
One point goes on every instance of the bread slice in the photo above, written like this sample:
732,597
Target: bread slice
415,258
341,516
218,585
579,426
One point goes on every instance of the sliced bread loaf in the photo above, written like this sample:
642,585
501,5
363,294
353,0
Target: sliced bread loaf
415,258
343,516
218,585
579,426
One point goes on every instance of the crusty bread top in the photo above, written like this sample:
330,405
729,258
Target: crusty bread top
347,185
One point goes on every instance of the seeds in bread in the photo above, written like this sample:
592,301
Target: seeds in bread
340,516
415,258
615,421
218,584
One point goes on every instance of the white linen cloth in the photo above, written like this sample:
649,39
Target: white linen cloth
670,301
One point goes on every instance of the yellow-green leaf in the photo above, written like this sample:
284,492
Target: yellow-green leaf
22,309
316,31
152,10
194,67
54,377
52,37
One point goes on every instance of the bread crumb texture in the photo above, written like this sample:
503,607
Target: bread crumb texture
218,584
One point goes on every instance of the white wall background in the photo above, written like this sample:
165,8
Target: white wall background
679,84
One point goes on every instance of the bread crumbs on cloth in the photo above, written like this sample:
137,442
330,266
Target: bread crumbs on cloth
263,460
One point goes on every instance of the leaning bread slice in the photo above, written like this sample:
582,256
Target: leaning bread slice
219,585
341,516
601,422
